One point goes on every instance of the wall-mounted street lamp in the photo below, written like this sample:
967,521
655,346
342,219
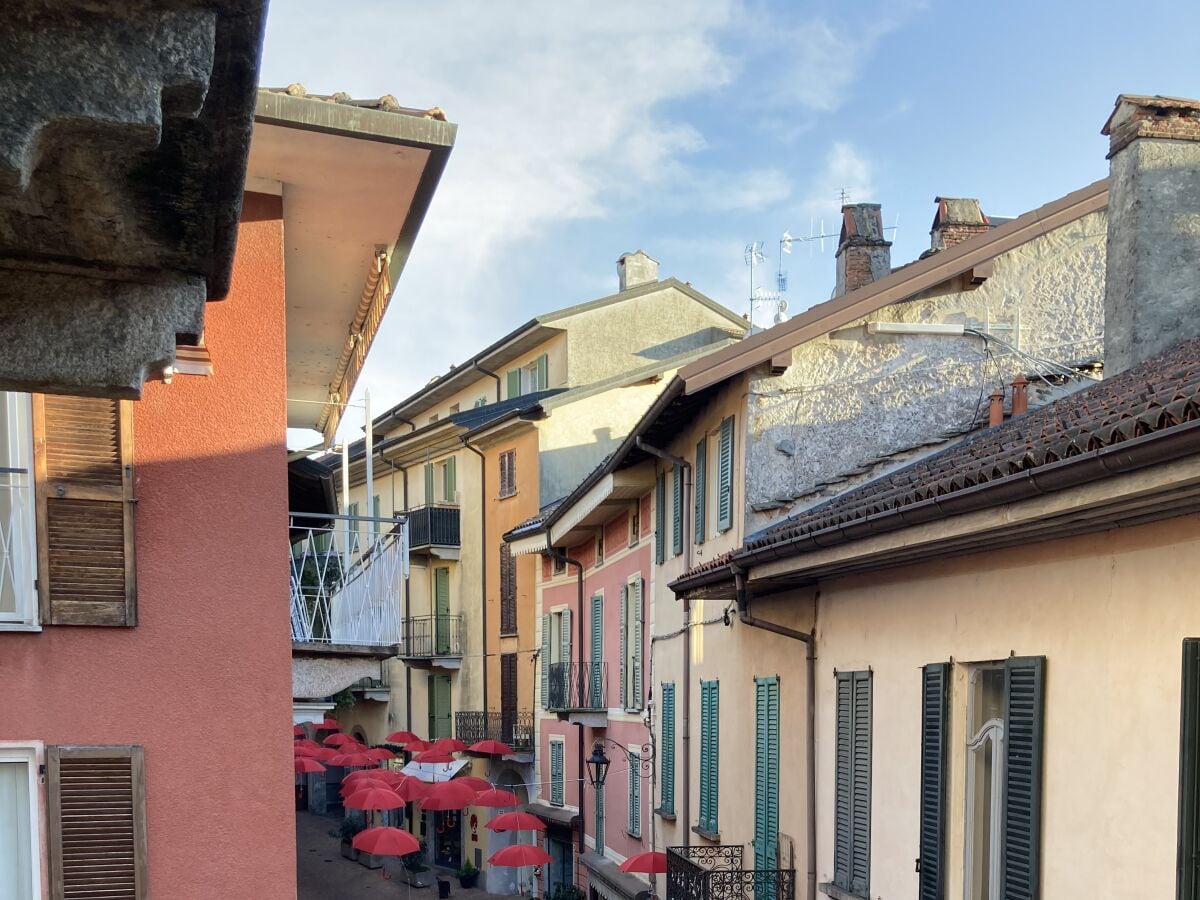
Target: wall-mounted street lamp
597,766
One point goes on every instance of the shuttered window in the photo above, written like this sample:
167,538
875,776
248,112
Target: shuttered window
556,772
429,496
852,790
725,476
547,621
1188,851
450,480
635,795
666,764
514,383
700,482
1020,838
637,614
508,590
440,717
96,811
543,373
508,473
931,879
83,471
660,515
766,773
626,693
710,741
597,656
677,510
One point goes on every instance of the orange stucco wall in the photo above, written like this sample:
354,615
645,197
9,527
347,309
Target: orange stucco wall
203,682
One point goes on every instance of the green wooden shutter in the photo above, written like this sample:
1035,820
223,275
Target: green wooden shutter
545,654
766,774
700,482
725,476
566,636
624,644
660,516
710,736
931,880
556,773
600,822
635,795
428,482
843,780
852,788
543,372
376,510
1187,885
637,643
514,383
1020,828
666,766
597,656
450,480
677,510
439,706
441,610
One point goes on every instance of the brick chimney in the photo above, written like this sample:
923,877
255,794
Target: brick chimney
1151,284
957,219
863,256
636,268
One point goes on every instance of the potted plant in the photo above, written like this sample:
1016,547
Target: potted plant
415,870
468,875
347,830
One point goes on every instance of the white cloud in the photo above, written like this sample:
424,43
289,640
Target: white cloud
845,169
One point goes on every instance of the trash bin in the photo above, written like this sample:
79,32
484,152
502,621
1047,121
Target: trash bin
443,888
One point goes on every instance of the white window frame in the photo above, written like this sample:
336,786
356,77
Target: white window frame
990,731
529,376
556,616
20,534
32,755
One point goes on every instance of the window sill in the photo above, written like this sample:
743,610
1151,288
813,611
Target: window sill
667,815
20,626
714,836
837,893
508,496
509,634
633,834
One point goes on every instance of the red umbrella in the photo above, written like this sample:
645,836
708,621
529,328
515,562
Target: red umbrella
448,795
652,862
519,855
411,789
417,746
516,821
353,787
492,748
433,756
497,798
305,742
379,754
449,745
324,754
373,798
474,782
384,841
388,776
350,760
304,751
304,765
336,740
329,725
298,731
366,774
401,738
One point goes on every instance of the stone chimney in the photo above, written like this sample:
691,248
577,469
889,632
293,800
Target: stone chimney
1152,286
863,256
636,268
957,219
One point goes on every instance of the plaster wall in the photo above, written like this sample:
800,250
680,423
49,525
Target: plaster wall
850,399
1109,612
213,631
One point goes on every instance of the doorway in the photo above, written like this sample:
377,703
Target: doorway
447,839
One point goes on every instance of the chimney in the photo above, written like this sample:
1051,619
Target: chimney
1153,228
957,219
636,268
863,256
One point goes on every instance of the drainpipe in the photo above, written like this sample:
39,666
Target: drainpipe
482,559
810,750
685,728
478,368
559,554
407,607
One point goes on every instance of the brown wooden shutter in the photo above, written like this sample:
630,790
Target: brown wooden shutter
83,469
96,798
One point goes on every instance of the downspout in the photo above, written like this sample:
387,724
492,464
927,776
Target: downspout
407,608
561,555
482,560
810,749
477,367
685,729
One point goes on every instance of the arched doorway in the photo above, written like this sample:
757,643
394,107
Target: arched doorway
502,879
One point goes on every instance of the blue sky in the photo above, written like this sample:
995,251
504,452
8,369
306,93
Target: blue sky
690,128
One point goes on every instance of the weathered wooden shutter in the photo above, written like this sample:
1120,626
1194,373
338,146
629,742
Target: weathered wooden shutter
710,736
508,693
660,516
1187,886
931,880
1020,829
637,643
635,795
83,471
677,510
545,655
725,476
543,372
700,482
429,498
450,480
852,789
625,704
666,768
556,773
441,609
597,658
766,773
508,590
96,799
514,383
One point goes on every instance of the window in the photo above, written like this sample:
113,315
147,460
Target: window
556,651
450,480
18,544
635,524
513,383
560,564
453,408
508,590
440,717
530,378
660,515
596,695
725,476
508,473
985,772
677,510
631,644
700,482
600,547
20,831
666,758
433,418
556,772
710,741
635,793
852,788
479,401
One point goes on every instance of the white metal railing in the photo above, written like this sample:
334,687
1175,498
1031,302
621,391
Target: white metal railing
347,579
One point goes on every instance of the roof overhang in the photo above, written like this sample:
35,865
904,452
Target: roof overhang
356,184
601,502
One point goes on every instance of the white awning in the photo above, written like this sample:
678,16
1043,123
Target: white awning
434,772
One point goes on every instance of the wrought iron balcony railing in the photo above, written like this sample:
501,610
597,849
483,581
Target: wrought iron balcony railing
512,728
714,872
429,637
577,686
347,577
434,526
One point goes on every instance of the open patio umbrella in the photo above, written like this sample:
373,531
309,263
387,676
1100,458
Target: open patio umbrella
298,731
336,740
433,756
383,840
306,742
363,784
449,745
516,821
390,777
417,746
411,789
299,751
491,748
324,754
652,862
351,760
401,737
496,799
329,725
474,782
305,766
373,798
448,795
366,775
519,855
379,754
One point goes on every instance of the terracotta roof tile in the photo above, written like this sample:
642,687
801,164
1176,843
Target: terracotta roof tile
386,103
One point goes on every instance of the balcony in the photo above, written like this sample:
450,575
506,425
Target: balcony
434,530
578,692
716,873
432,642
512,728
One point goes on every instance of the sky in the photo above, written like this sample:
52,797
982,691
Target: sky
689,129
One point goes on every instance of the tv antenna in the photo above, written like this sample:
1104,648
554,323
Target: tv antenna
760,297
